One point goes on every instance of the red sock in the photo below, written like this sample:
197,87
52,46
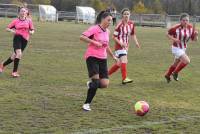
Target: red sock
180,66
123,71
170,70
113,69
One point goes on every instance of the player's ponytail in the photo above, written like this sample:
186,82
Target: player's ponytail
102,15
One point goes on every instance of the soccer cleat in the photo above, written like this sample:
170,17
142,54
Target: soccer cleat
1,68
167,78
175,76
15,74
86,107
127,80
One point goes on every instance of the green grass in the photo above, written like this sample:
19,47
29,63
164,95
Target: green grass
48,96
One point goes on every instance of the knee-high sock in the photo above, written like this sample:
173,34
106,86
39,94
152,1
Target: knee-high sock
179,67
170,70
16,64
113,69
124,70
93,86
7,62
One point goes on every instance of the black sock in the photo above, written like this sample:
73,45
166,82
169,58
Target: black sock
8,61
90,95
16,64
92,90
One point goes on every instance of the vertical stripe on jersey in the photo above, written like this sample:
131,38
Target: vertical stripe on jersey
127,34
184,38
119,31
122,35
180,35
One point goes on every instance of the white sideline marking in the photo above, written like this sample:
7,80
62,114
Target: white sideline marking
145,124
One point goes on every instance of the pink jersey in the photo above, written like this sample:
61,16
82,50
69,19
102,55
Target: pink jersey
122,32
183,34
98,34
22,27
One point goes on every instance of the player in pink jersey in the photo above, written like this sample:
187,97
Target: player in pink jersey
180,34
97,37
21,27
123,31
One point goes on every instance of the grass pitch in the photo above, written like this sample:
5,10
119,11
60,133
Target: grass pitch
48,96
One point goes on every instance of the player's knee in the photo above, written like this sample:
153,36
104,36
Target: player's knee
124,61
18,55
118,63
188,61
104,84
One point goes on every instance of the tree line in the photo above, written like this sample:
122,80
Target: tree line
136,6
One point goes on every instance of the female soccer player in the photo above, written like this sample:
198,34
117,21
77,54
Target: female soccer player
121,35
97,37
21,27
180,34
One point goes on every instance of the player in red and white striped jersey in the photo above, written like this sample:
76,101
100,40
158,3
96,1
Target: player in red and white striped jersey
123,31
180,34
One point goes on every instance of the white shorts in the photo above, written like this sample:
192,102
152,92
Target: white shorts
120,52
178,52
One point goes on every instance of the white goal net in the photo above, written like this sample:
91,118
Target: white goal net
85,14
47,13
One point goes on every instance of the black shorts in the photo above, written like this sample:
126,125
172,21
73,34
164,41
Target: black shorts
97,66
19,42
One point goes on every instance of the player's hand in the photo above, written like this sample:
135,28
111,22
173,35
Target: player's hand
138,45
177,40
123,45
31,32
98,44
115,59
13,31
196,33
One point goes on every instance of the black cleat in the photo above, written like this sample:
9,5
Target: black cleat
168,79
175,76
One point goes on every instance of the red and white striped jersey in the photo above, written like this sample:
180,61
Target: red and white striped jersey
183,34
122,32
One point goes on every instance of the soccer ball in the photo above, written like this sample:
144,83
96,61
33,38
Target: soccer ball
141,108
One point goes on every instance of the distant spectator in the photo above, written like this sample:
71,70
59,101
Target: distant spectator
114,15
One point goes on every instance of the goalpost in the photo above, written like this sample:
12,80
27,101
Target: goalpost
85,15
48,13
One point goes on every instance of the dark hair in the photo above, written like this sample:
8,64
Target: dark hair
124,10
183,15
102,15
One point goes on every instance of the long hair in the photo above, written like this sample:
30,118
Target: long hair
102,15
